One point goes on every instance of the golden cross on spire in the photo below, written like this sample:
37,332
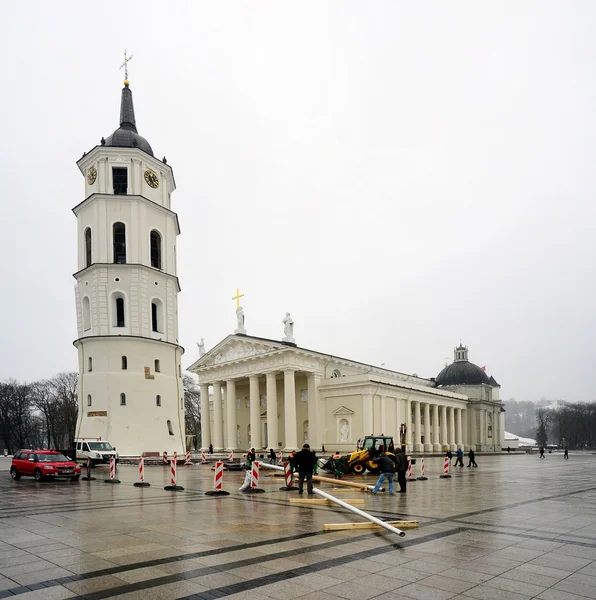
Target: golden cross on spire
237,297
127,59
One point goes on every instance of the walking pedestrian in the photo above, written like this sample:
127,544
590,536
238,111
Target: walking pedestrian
541,452
387,468
305,461
472,457
449,455
292,461
272,457
459,457
402,466
566,455
323,448
251,456
210,448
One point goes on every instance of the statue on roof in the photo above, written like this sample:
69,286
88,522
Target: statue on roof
288,328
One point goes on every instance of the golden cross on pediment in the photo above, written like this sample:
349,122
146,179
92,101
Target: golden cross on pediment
237,297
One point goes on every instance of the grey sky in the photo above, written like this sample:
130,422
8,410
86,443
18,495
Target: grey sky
398,176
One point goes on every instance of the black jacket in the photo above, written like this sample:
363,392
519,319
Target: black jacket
305,460
402,462
386,465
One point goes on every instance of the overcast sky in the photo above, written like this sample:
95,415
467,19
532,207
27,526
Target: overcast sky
399,176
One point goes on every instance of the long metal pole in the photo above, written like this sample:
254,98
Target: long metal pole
357,511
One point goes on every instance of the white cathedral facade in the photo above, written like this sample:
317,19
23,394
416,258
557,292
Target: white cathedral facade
130,384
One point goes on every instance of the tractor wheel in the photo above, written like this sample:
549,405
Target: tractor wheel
358,469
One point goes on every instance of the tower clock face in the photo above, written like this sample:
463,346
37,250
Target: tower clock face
91,175
151,179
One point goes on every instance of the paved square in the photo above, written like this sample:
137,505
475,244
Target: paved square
515,528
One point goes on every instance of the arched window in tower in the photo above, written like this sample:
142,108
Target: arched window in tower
157,319
119,235
154,316
155,242
90,365
86,314
124,363
120,312
88,256
89,400
120,178
170,428
122,399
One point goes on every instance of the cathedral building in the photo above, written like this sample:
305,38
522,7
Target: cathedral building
265,393
130,385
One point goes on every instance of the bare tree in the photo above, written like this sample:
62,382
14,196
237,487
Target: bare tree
192,409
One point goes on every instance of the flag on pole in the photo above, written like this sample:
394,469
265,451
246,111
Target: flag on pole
484,368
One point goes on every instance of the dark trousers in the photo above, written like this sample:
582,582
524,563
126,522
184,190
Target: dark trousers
472,463
401,479
301,477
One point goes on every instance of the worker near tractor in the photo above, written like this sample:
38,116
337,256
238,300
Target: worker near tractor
387,468
338,463
305,461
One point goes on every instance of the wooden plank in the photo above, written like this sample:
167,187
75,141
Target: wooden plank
342,526
324,501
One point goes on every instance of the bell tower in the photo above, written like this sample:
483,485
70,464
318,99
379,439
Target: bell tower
130,379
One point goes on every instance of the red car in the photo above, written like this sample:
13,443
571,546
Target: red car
43,464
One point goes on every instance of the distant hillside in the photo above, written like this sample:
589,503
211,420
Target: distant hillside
520,418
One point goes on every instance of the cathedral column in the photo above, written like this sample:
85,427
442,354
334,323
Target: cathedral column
408,422
436,437
473,433
290,410
217,418
314,436
255,415
458,429
231,413
417,427
427,438
452,445
205,419
444,441
272,426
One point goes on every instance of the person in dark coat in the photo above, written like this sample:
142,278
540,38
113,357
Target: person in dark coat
472,457
541,452
401,461
338,464
251,456
305,461
210,448
566,455
387,469
272,457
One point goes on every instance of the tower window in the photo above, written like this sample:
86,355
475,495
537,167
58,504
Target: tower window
89,400
155,242
119,312
154,316
122,399
124,363
158,400
88,256
157,370
120,177
170,429
90,365
86,314
119,235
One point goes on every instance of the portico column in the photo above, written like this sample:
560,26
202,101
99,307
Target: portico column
444,441
217,418
458,429
473,432
314,436
427,443
231,413
482,427
255,415
436,438
272,429
205,420
290,410
417,428
408,422
452,445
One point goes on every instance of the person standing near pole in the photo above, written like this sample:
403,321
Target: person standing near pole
338,464
387,468
251,456
472,457
566,455
272,457
459,457
305,461
402,466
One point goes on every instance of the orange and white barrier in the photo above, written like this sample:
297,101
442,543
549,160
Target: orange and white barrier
422,477
218,483
409,476
112,478
173,487
280,459
141,482
445,474
231,456
88,477
254,478
187,461
165,458
288,475
203,459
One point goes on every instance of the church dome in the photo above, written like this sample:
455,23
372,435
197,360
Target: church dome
127,136
461,371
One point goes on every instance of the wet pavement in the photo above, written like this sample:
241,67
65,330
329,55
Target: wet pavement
515,528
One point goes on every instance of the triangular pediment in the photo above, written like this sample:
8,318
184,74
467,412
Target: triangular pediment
342,410
235,348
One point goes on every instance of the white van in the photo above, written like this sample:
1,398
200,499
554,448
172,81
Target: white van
98,450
